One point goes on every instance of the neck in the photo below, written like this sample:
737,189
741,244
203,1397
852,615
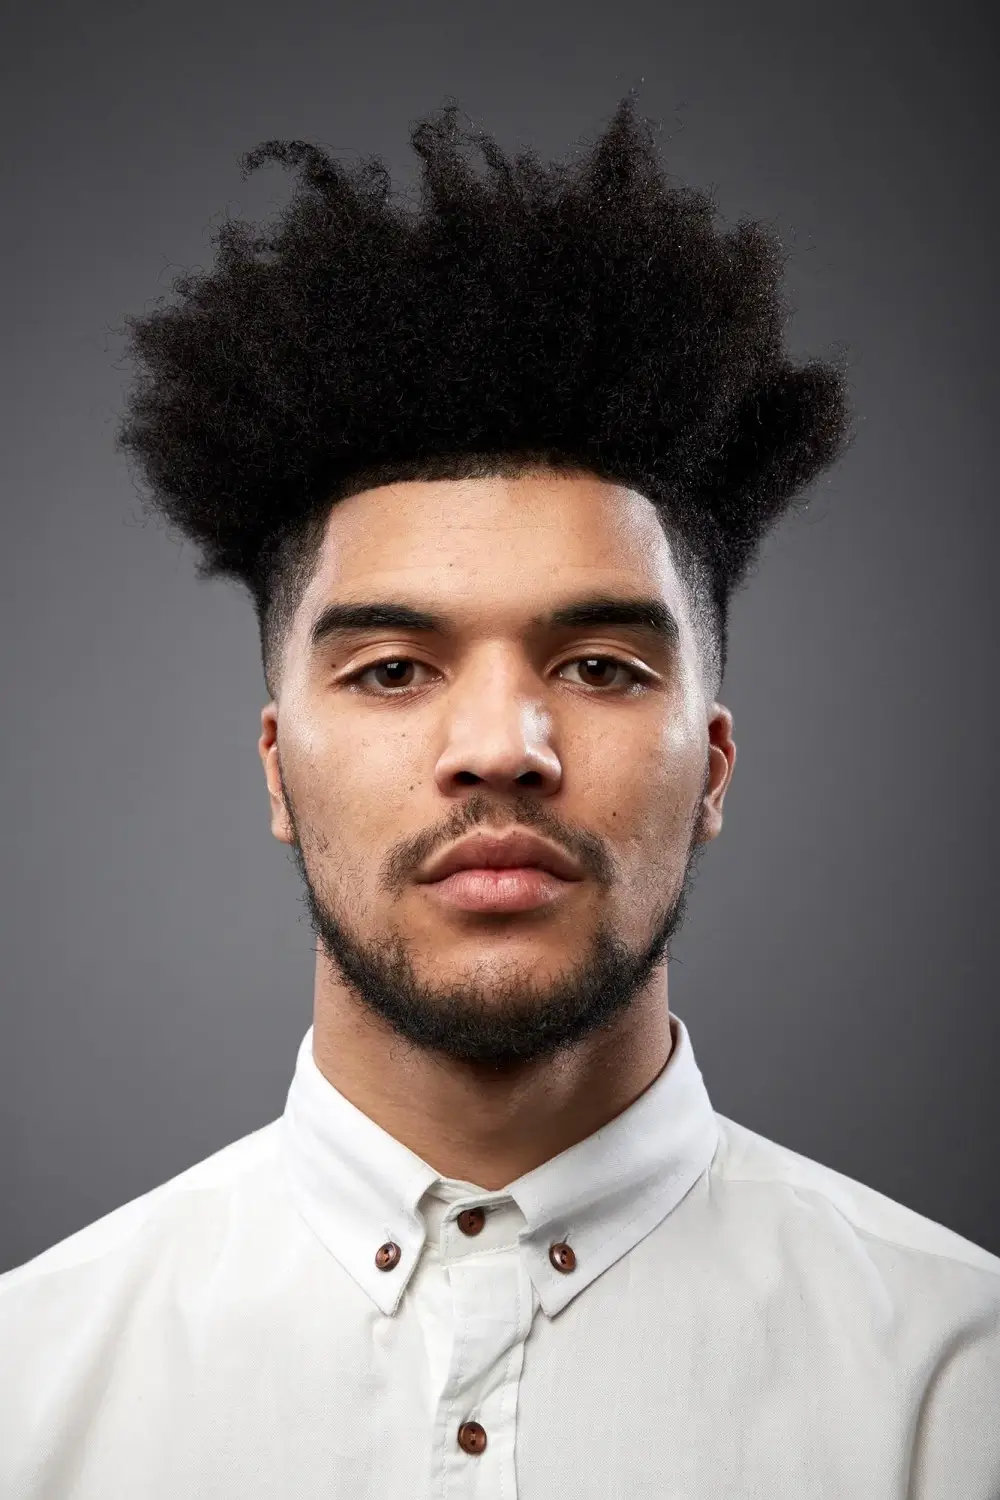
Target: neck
470,1121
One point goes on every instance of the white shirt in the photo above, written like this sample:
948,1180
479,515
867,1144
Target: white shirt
675,1308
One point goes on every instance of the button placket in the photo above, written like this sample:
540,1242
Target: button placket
471,1436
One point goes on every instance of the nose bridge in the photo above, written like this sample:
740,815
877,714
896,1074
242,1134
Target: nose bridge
498,724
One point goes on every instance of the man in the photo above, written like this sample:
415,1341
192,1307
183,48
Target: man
491,475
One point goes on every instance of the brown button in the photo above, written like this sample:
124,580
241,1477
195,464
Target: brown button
562,1257
387,1256
471,1220
472,1437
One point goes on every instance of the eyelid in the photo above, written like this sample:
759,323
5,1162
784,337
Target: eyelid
641,674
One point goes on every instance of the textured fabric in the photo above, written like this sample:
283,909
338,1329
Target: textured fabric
740,1323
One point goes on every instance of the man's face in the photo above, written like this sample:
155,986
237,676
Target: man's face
497,724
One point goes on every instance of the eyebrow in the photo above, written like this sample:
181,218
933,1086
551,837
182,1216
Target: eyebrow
651,617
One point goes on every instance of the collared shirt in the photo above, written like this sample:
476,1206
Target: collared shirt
675,1307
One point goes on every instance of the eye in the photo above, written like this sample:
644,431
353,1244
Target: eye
399,689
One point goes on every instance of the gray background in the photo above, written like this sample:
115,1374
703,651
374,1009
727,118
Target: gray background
837,967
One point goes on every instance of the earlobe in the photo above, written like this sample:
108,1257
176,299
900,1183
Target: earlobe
279,825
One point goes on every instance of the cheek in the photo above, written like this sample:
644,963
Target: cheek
347,765
361,803
644,801
682,731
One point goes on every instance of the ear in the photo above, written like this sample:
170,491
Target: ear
722,759
267,747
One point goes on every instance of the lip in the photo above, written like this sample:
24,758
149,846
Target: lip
516,888
516,849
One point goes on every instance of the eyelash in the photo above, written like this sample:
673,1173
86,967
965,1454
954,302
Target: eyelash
641,678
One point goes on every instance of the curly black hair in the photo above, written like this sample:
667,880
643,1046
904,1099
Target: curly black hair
585,318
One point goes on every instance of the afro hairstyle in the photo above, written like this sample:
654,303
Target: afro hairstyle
583,317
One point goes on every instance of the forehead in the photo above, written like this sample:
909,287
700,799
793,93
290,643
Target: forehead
499,543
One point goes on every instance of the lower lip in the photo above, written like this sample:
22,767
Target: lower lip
517,889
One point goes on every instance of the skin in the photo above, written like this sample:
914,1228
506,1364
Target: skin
488,1043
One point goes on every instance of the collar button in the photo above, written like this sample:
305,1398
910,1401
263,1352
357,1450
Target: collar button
562,1257
387,1255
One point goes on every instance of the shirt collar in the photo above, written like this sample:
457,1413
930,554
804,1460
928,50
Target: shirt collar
358,1187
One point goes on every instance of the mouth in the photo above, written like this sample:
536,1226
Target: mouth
515,888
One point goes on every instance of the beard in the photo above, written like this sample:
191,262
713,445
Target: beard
502,1020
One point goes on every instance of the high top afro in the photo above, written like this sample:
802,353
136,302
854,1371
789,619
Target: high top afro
583,317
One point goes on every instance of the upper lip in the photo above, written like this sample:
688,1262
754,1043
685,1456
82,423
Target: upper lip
492,852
